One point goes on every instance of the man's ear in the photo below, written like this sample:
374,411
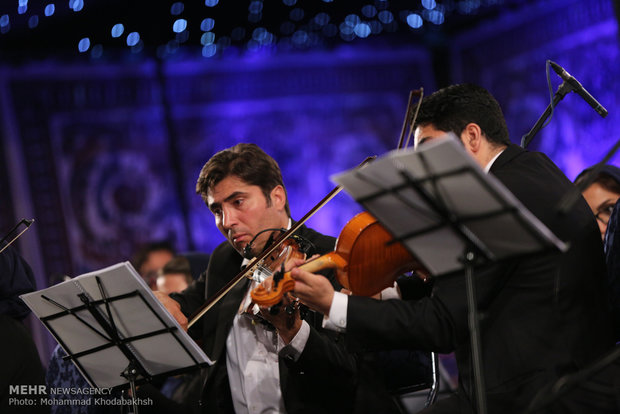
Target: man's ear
472,137
278,197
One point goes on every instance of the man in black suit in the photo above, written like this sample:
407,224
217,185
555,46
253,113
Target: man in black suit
288,364
543,316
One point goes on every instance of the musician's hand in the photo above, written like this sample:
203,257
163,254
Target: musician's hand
287,324
173,307
315,291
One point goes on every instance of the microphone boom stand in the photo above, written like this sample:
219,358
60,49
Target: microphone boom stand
564,89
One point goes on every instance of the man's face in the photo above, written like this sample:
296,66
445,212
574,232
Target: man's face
425,133
153,263
241,211
601,202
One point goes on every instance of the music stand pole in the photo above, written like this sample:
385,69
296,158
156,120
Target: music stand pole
131,373
469,258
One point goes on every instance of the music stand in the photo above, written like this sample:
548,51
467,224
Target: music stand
446,210
114,329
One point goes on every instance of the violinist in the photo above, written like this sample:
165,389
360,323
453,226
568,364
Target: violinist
544,315
265,362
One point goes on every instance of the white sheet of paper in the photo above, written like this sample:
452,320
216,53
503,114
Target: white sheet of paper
132,316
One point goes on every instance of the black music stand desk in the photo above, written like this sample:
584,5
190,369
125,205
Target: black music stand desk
447,212
114,329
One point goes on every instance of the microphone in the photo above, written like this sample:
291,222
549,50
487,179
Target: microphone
247,250
577,87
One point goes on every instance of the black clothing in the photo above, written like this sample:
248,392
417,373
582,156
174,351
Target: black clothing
322,380
543,315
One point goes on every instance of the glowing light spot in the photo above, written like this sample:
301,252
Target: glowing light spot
117,30
375,27
436,17
76,5
469,6
211,3
259,34
321,19
179,25
386,17
209,50
296,14
414,20
177,8
369,11
347,36
346,29
352,20
255,7
207,38
207,24
22,3
289,2
362,30
84,44
133,38
96,52
327,1
22,9
4,20
300,38
429,4
50,9
33,21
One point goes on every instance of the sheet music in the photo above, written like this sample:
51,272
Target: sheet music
479,202
133,315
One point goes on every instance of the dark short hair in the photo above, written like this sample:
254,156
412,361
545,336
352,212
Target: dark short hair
450,110
246,161
142,254
608,177
178,265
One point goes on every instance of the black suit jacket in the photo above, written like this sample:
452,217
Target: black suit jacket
322,380
542,316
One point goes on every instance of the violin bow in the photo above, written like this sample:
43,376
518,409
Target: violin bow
256,261
410,117
25,222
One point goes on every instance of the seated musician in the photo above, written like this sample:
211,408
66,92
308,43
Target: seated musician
286,363
543,316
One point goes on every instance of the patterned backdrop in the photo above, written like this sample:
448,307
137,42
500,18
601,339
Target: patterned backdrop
112,153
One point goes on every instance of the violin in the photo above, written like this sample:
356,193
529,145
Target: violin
367,260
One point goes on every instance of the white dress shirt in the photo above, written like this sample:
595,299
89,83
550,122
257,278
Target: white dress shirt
252,361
